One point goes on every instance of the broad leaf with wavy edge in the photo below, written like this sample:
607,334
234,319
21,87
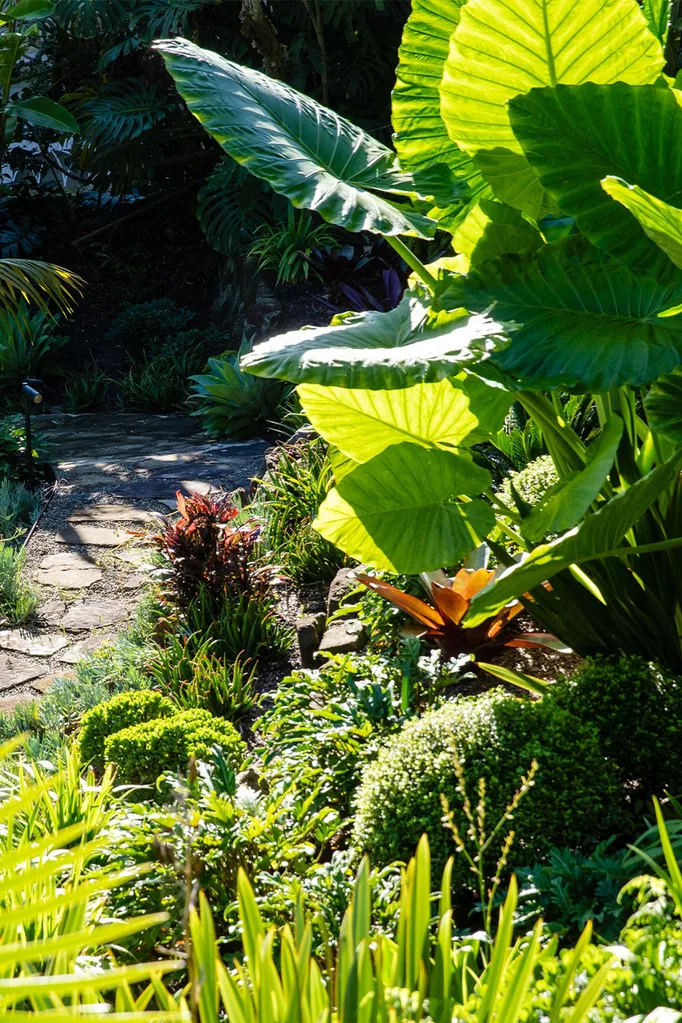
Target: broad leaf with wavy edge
578,320
377,350
660,221
400,512
500,50
421,138
305,151
574,136
493,229
362,423
663,406
561,507
596,537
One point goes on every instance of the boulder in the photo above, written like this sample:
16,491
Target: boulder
343,637
308,633
341,585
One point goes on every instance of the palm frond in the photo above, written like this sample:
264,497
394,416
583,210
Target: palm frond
38,283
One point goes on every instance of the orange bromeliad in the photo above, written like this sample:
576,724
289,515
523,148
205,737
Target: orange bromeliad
445,622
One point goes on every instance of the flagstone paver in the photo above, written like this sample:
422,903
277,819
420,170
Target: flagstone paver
90,556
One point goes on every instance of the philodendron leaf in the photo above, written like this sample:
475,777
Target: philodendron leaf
421,138
44,113
400,511
317,159
660,221
500,50
663,406
578,319
566,503
377,350
596,537
600,131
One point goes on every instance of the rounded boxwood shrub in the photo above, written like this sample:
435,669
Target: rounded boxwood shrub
636,707
123,710
575,799
144,751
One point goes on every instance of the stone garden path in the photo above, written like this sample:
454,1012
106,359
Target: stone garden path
89,555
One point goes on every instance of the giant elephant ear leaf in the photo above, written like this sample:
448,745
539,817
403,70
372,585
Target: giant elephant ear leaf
577,319
421,138
303,150
500,50
660,221
598,536
663,406
400,511
619,135
377,350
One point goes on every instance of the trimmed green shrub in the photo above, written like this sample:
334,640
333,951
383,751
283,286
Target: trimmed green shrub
532,482
147,322
575,799
636,708
143,751
120,712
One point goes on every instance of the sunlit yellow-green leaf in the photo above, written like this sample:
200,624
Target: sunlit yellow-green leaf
660,221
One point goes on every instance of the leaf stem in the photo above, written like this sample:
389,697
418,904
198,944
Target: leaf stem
412,261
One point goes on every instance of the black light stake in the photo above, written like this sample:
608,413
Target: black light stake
31,396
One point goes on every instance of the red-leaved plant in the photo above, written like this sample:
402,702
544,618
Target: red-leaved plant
443,621
206,552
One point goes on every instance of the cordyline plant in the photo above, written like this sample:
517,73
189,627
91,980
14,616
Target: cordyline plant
206,553
445,625
532,134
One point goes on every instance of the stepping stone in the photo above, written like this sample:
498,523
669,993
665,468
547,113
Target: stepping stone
47,681
94,614
95,536
137,557
87,646
69,571
14,672
53,611
133,582
35,644
110,513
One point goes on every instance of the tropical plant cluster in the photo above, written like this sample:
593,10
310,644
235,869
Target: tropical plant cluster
493,447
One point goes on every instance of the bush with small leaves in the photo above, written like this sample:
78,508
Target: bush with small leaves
144,323
122,711
530,483
144,751
575,800
632,704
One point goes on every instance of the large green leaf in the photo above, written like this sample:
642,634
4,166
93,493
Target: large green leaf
363,423
578,319
44,113
493,229
377,350
421,138
657,14
500,50
317,159
574,136
596,537
400,511
660,221
663,406
565,504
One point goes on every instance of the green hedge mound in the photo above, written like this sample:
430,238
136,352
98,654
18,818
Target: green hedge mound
576,798
126,709
144,751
